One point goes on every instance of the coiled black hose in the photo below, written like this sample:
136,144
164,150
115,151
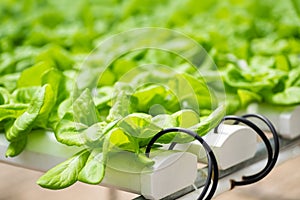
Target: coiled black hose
272,158
213,173
276,145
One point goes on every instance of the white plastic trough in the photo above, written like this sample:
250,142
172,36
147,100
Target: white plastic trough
285,119
232,145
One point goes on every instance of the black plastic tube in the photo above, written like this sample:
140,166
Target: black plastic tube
261,174
276,145
213,173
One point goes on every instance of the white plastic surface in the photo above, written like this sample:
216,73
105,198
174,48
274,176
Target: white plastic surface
42,152
171,172
285,119
232,144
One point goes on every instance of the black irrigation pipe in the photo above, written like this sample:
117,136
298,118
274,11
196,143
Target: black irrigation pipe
213,173
275,139
272,159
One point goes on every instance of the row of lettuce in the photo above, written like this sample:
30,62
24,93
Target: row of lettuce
43,44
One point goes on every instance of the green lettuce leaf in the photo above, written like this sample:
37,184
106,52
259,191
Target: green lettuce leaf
33,76
121,102
290,96
210,121
57,57
5,96
145,100
9,81
66,173
25,94
120,141
83,114
94,169
16,147
247,97
12,111
24,123
139,125
49,101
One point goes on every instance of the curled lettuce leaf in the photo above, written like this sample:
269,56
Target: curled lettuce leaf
38,109
66,173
